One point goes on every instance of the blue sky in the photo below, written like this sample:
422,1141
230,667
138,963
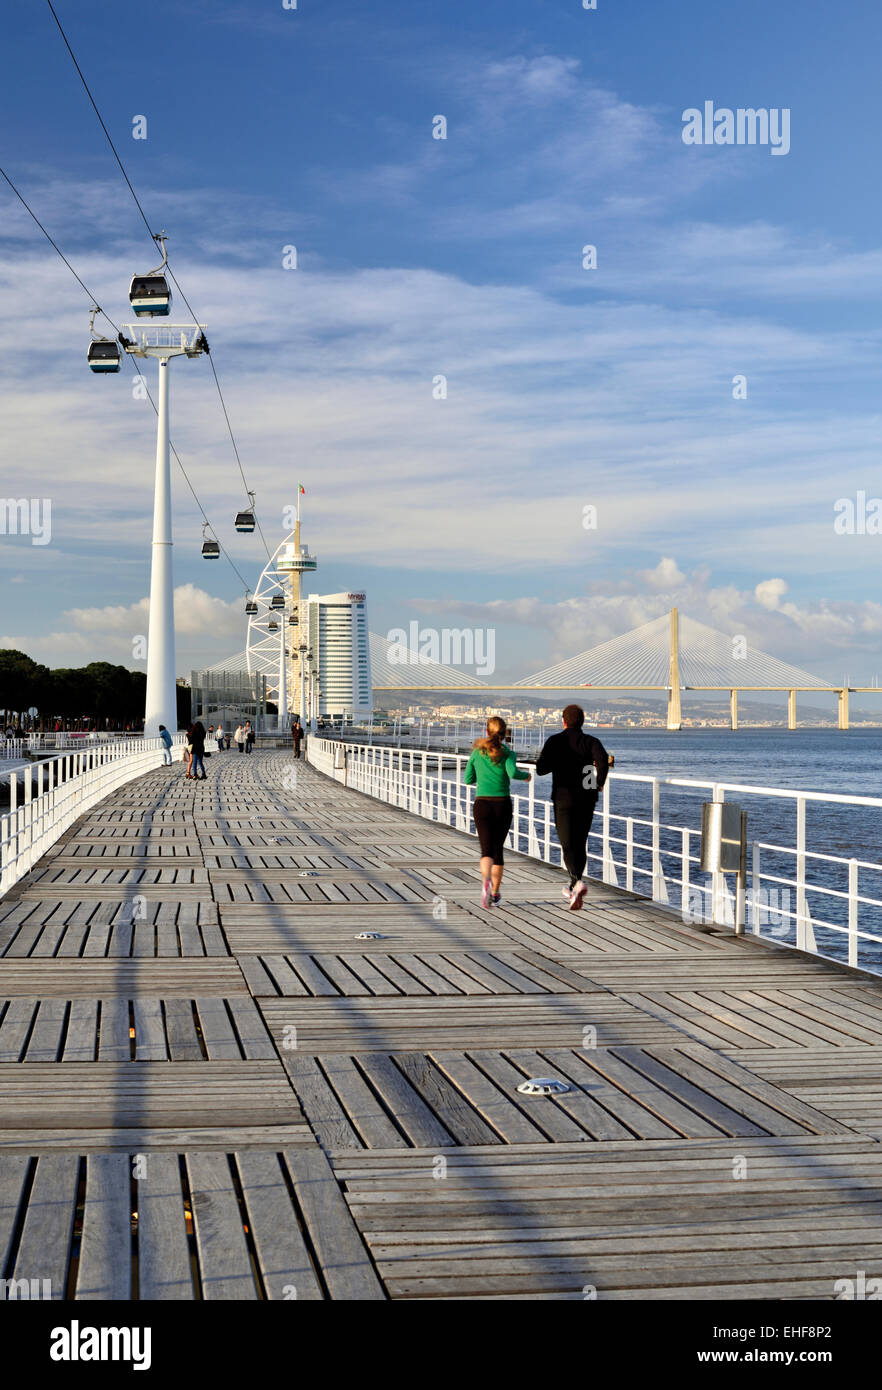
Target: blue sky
462,257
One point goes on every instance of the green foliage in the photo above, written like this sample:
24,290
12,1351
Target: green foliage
23,683
97,693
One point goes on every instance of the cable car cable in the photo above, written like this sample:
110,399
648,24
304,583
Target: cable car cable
172,276
100,118
57,249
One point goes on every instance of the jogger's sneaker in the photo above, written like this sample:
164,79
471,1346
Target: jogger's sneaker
567,892
496,899
578,893
486,894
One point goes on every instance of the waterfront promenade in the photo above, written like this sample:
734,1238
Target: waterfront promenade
211,1086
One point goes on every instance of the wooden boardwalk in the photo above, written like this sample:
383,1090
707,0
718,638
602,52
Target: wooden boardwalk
214,1085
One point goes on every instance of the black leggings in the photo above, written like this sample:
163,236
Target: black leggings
492,822
573,823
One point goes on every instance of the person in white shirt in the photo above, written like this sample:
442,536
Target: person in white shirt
239,738
219,735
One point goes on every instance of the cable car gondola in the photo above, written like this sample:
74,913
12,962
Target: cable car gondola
250,606
293,620
149,295
272,625
104,354
277,601
210,547
245,520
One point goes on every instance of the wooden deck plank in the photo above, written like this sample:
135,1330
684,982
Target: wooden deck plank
163,1254
365,1114
45,1247
346,1266
500,1112
105,1265
224,1261
286,1270
411,1112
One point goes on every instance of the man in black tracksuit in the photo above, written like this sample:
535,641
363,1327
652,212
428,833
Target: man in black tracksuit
579,765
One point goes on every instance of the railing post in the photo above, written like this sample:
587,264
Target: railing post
27,818
755,889
629,854
684,876
607,871
657,893
717,883
532,844
548,832
800,875
852,912
40,808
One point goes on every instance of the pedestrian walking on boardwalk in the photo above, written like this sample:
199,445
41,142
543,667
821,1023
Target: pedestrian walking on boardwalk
490,769
239,739
188,749
249,736
197,742
579,765
167,745
297,735
219,735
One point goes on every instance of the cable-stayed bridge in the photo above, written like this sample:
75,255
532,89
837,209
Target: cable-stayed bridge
669,653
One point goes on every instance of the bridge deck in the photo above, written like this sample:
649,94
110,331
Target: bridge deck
210,1087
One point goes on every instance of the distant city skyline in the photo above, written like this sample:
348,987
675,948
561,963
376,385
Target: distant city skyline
548,376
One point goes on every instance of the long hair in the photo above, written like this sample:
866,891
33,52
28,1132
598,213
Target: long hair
492,743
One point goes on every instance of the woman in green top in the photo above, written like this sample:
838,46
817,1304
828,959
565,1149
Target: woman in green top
490,769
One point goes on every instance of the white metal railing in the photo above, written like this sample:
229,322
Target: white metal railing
18,748
56,790
647,855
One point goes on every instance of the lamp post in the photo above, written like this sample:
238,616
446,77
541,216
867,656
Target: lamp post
282,716
162,342
303,714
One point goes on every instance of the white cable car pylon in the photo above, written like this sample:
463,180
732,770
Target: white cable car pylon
162,342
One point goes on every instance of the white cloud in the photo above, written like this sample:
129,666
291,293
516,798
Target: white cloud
770,592
818,635
666,574
211,627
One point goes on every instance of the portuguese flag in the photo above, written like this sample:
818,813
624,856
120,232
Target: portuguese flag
302,489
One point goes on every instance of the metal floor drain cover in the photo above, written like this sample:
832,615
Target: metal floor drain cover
308,873
369,936
542,1086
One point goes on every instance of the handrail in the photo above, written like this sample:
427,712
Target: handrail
56,791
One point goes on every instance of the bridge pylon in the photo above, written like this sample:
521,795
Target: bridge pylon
674,716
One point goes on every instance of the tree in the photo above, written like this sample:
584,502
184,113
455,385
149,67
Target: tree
22,682
100,693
